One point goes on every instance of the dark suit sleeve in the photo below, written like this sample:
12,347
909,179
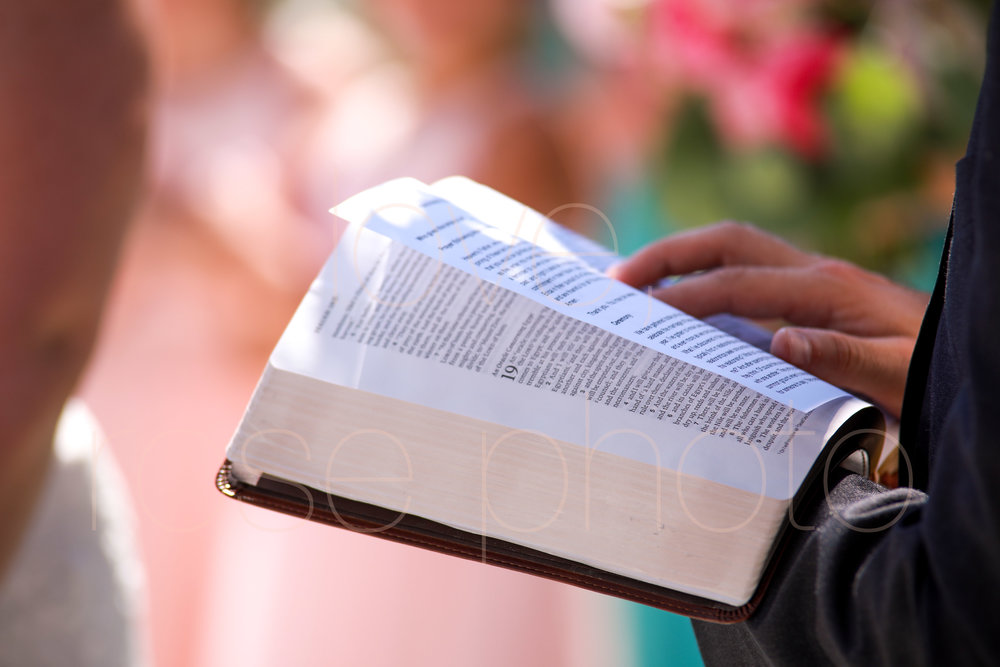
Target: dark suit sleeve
890,577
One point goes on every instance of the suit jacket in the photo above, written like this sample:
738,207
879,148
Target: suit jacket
915,578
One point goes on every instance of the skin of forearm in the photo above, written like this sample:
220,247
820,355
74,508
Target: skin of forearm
73,80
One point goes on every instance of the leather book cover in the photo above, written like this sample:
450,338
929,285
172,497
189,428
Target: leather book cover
301,501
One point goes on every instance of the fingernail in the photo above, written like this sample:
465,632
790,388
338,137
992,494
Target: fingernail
797,348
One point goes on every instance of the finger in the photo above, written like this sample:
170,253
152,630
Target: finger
798,296
873,367
721,244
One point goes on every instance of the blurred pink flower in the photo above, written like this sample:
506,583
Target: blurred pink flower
761,64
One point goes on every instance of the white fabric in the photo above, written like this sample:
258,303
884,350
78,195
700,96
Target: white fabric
74,593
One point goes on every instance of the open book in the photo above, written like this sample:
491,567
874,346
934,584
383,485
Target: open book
462,376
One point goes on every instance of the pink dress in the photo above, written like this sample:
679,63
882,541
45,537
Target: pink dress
195,310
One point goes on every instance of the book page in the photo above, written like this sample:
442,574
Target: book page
513,217
410,214
390,320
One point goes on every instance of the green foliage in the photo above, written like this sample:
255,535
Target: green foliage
877,195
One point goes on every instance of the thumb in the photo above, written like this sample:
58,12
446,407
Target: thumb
873,367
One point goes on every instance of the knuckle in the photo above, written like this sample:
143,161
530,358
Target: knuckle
735,237
736,230
726,283
736,274
844,353
837,269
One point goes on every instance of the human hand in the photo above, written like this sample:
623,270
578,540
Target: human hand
850,327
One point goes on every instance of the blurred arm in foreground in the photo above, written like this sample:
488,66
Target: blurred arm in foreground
72,85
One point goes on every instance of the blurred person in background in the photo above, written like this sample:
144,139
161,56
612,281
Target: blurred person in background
451,95
615,108
73,83
233,230
211,270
